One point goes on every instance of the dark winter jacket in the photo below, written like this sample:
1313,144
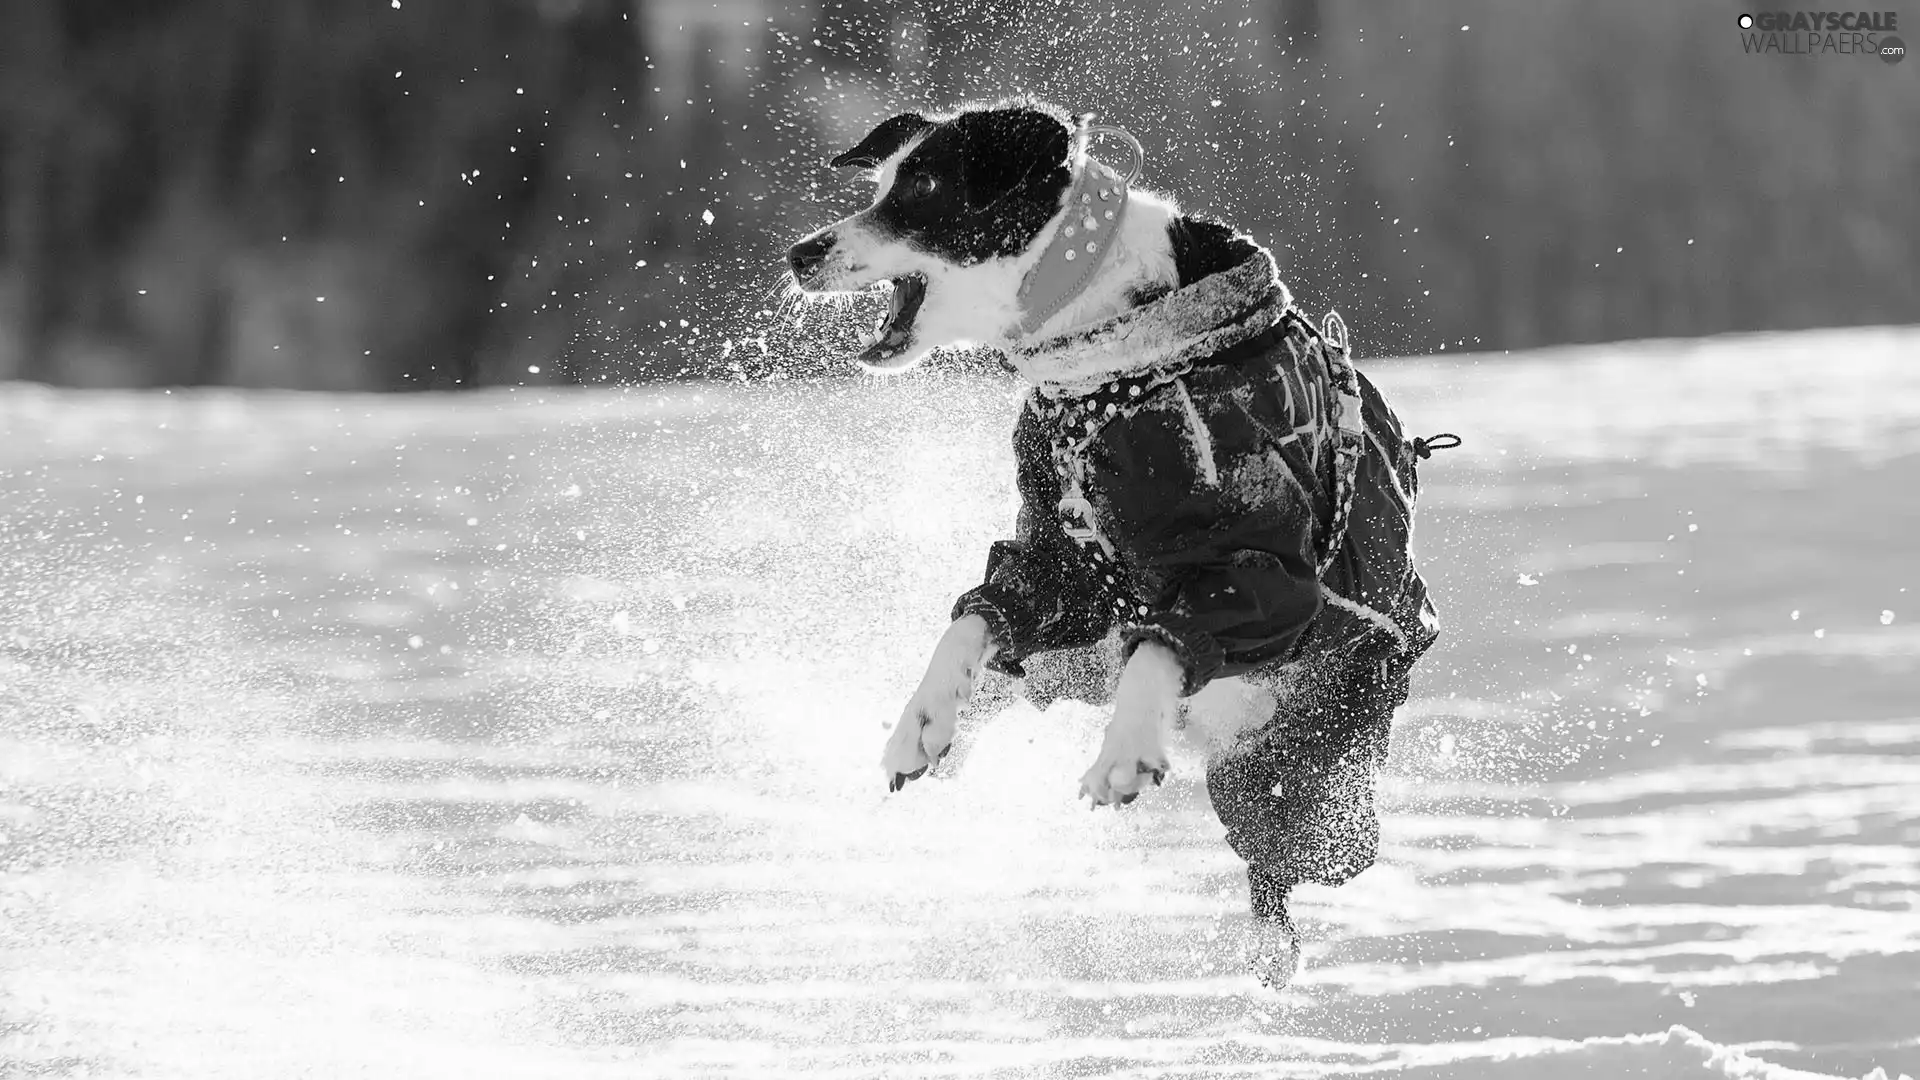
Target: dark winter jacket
1181,475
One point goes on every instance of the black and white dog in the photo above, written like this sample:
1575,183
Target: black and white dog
1207,483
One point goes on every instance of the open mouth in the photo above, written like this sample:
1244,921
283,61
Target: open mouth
889,349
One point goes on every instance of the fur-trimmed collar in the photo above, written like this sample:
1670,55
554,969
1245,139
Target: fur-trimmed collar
1217,312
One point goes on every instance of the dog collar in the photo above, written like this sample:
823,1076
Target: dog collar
1095,208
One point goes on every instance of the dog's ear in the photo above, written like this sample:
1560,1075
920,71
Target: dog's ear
1007,147
884,141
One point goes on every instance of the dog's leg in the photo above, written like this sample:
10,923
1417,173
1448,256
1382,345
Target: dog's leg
925,731
1133,750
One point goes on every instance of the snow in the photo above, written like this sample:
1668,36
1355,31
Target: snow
529,733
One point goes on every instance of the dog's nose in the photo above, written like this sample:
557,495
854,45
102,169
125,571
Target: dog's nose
807,255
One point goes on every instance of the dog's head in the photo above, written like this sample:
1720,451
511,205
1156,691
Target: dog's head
961,202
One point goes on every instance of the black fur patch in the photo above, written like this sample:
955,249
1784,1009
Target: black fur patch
981,185
884,141
1202,246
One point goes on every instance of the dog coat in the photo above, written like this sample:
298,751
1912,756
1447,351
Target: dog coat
1207,471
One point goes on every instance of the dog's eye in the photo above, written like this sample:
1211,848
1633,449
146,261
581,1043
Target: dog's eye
922,186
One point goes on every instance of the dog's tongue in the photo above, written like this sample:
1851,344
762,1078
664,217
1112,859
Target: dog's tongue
888,352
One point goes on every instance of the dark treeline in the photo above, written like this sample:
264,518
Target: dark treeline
437,193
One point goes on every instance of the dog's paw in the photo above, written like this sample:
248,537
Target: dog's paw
924,734
919,741
1271,948
1131,757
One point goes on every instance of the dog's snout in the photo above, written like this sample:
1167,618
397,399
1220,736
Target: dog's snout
807,255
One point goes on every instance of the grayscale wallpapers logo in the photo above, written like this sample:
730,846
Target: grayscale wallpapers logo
1824,33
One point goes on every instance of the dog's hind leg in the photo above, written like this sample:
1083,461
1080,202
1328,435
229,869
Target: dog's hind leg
925,731
1297,797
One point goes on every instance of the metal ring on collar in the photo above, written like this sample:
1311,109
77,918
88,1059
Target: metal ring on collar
1139,152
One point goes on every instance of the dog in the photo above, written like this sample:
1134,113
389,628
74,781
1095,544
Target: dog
1206,481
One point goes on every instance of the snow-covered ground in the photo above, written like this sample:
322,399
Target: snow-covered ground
535,734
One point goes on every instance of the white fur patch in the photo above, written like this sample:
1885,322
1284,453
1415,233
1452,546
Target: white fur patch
889,170
1225,711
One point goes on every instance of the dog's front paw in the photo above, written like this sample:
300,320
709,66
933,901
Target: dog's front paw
925,731
1130,756
923,736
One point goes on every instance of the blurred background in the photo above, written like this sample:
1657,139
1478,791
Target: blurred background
393,194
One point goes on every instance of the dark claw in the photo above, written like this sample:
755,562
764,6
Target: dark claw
900,779
1125,799
1158,772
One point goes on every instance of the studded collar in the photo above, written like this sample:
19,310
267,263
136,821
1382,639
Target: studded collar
1095,208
